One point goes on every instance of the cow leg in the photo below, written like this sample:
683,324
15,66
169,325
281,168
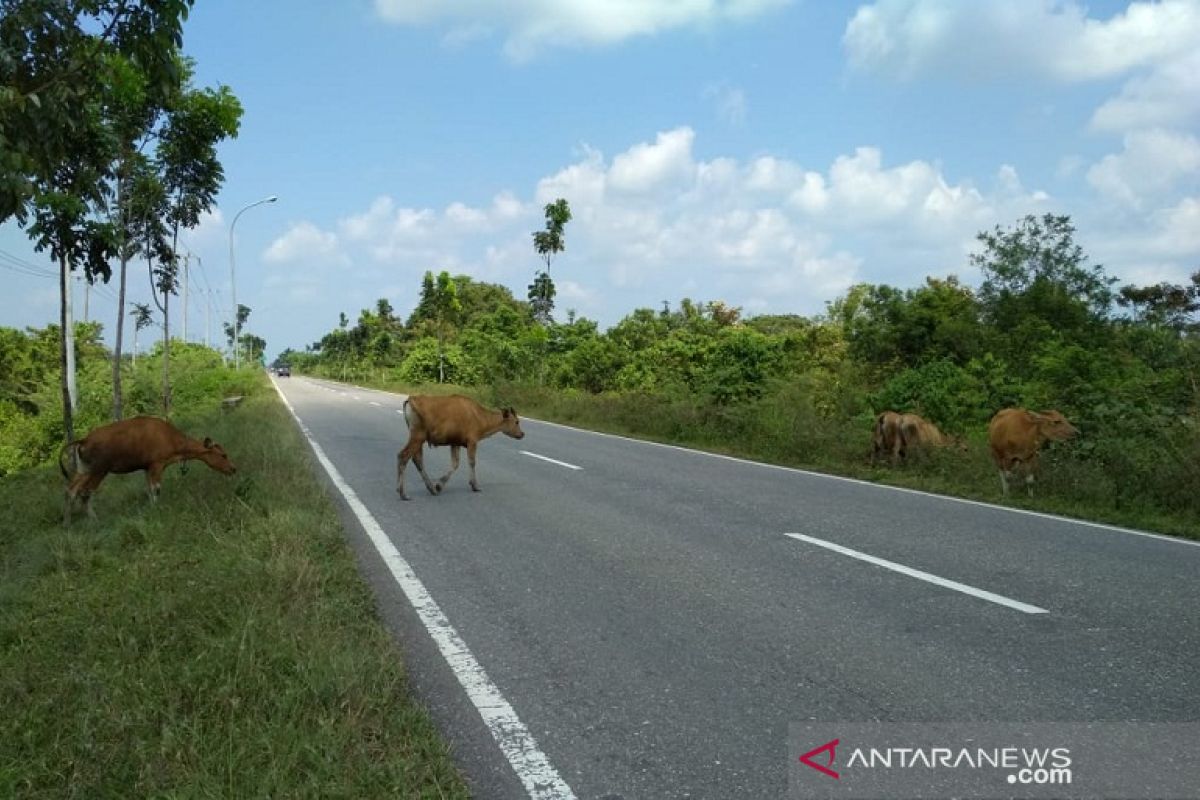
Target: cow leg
401,463
71,491
1004,481
419,459
81,486
471,461
442,481
154,475
89,490
409,452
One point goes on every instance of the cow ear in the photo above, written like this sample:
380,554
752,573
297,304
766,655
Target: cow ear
504,413
208,442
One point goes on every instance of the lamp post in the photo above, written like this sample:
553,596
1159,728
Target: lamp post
233,276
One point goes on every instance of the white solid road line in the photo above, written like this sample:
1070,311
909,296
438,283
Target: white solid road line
538,775
372,402
551,460
919,575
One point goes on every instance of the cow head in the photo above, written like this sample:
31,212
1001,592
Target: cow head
1054,426
215,456
510,425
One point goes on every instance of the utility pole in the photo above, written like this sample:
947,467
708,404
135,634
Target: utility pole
69,334
87,293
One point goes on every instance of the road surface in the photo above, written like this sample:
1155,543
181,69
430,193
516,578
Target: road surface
610,618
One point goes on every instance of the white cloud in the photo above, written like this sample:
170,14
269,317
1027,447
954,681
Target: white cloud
995,38
646,167
533,25
304,242
768,233
1151,163
1168,96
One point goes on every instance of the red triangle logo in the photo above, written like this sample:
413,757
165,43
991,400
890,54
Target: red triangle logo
831,748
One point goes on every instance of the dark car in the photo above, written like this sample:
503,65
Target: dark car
283,372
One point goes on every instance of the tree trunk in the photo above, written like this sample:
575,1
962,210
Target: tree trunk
117,397
166,356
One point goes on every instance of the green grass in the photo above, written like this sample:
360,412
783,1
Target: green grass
220,644
784,429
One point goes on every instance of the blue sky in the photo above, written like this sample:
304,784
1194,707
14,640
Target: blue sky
767,153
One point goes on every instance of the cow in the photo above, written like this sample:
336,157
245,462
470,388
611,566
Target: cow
921,434
898,435
454,420
1015,435
140,443
888,437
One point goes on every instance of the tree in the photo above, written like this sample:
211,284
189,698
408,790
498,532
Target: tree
131,111
233,334
196,121
548,243
143,317
445,308
53,73
1163,303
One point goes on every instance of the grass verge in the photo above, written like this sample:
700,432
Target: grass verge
221,644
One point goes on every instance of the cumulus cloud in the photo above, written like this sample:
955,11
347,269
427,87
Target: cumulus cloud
1151,164
655,222
1168,96
770,229
304,242
990,38
533,25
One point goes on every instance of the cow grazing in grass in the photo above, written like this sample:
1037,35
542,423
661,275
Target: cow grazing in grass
1015,436
921,434
888,439
140,443
899,435
449,420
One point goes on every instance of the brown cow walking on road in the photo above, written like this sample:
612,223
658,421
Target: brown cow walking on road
454,420
140,443
1016,435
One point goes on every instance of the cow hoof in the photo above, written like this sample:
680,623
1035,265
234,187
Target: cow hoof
437,488
474,488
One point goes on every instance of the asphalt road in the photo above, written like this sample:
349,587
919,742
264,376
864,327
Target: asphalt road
655,629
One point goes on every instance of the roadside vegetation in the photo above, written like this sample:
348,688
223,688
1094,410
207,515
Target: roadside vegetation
1046,329
219,644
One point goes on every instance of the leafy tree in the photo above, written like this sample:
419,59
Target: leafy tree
233,334
196,121
143,317
1038,286
53,73
548,243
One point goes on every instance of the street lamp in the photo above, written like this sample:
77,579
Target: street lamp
233,276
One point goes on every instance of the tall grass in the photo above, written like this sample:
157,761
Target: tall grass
219,644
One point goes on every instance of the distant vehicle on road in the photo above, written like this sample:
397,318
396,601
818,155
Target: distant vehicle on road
283,371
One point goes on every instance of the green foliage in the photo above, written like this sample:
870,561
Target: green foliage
426,363
31,417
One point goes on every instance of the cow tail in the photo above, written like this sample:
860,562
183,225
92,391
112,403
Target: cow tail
404,408
73,449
